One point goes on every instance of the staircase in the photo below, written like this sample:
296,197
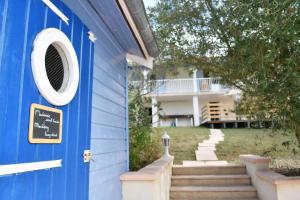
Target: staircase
211,182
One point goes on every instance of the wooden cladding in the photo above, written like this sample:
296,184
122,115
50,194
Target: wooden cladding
217,111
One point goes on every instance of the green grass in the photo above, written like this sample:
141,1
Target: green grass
184,141
280,146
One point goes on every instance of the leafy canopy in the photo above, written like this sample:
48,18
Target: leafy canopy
252,45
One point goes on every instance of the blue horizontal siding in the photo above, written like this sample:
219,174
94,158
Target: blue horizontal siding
101,146
112,72
106,132
104,91
104,118
108,184
109,81
106,161
111,106
109,123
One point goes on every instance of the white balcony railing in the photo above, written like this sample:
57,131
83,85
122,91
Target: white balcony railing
190,85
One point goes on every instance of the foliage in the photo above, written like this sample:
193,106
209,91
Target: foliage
144,149
252,45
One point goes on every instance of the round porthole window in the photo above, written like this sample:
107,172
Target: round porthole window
55,66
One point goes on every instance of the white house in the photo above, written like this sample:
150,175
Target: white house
192,100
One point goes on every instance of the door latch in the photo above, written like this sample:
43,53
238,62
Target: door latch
87,156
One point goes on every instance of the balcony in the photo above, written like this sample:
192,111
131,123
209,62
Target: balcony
182,86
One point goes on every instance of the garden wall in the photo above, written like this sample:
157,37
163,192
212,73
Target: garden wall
152,182
270,185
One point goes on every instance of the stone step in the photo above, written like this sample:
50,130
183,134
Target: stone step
208,170
211,180
206,144
204,151
212,199
203,163
206,155
208,192
211,148
213,139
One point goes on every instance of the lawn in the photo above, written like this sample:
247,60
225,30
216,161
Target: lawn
280,146
184,141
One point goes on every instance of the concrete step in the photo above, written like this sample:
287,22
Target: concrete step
203,163
206,148
208,192
211,180
216,199
208,170
214,139
206,155
206,145
213,199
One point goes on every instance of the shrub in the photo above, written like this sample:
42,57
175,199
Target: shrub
144,148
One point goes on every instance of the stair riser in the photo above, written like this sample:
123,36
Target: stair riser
211,182
208,171
213,195
214,199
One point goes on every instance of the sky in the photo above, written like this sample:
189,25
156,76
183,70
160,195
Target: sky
149,3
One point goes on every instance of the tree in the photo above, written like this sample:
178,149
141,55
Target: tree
252,45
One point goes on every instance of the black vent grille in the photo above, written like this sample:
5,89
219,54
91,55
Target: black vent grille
54,67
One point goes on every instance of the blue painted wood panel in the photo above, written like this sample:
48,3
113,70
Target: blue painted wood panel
109,139
108,187
20,22
105,15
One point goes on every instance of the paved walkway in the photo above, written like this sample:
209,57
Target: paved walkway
205,154
206,149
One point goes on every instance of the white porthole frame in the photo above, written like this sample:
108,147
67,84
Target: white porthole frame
55,37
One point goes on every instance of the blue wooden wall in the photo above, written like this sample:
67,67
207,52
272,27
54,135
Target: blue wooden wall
20,22
109,143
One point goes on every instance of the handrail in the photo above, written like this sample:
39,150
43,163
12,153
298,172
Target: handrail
183,85
185,79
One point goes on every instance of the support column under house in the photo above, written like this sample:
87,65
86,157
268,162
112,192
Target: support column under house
155,116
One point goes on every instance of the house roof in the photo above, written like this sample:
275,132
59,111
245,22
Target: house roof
125,20
138,13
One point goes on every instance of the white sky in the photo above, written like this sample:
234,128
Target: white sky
149,3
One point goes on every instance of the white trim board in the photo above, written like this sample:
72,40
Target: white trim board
28,167
142,61
56,11
134,27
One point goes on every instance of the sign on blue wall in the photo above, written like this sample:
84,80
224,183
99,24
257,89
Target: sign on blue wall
20,22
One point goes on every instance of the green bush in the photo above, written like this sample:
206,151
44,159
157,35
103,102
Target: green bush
144,148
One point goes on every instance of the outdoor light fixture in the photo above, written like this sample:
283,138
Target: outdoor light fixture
166,143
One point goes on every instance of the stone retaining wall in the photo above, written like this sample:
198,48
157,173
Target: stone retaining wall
269,184
153,182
